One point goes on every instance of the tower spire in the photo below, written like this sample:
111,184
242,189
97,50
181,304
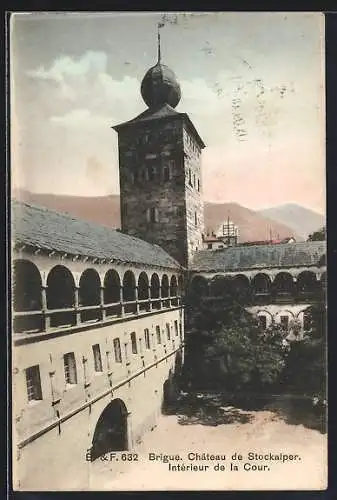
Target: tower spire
160,25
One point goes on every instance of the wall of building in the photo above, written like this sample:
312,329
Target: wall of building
160,145
46,460
157,145
274,312
194,201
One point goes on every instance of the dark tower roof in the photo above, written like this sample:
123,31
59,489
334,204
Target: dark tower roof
160,85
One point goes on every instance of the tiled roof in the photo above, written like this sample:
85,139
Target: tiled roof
259,256
47,229
165,111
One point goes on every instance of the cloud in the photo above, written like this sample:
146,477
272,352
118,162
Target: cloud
74,102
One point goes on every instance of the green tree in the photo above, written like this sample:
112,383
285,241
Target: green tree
305,370
227,348
318,235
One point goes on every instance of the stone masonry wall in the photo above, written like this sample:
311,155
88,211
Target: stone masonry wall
153,161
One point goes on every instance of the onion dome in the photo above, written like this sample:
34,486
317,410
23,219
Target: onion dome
160,85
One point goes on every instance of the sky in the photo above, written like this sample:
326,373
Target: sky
252,83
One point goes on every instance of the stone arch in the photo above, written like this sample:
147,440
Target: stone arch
111,431
129,286
90,294
220,286
27,286
111,292
173,286
199,286
155,290
241,287
155,286
283,285
306,283
164,286
265,313
112,285
261,284
60,288
27,296
143,286
61,295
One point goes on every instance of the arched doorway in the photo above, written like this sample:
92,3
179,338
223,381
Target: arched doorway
111,432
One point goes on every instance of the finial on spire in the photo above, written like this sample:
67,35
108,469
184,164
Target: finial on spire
160,25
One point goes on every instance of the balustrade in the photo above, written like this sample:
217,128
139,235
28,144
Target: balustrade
50,319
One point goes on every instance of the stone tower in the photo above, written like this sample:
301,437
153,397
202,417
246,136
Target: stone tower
160,170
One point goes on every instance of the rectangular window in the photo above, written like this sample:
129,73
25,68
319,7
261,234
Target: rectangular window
158,334
70,372
152,214
198,185
209,246
284,320
147,338
97,358
33,381
152,173
190,178
195,219
176,327
168,331
133,343
117,349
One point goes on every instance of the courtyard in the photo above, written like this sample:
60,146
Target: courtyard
206,444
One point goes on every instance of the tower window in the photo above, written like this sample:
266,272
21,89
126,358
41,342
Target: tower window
33,382
117,349
195,219
133,343
167,172
152,214
152,173
198,184
97,358
70,372
194,184
190,178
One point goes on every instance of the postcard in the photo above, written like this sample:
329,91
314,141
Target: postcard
168,251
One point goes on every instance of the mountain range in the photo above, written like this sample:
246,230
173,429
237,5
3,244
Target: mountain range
301,220
253,225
